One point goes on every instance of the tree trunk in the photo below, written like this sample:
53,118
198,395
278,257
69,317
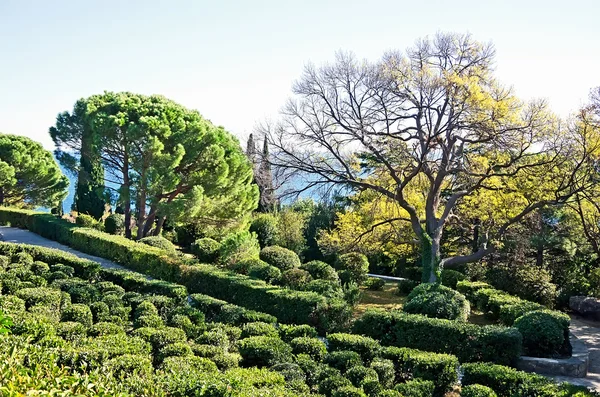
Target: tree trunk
1,196
430,258
126,198
141,210
159,225
150,220
475,245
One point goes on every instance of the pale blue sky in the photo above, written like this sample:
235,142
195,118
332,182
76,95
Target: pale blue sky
235,61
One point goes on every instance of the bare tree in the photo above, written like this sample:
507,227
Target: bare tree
433,119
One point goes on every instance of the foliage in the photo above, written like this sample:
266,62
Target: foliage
238,246
295,278
282,258
265,226
543,333
158,242
352,267
450,278
320,270
29,175
375,284
311,346
114,224
265,272
263,351
206,250
434,300
85,220
477,391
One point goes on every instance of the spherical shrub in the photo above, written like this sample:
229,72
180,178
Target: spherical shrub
238,246
227,361
343,360
214,338
40,268
385,371
178,349
265,227
352,267
108,287
433,300
268,273
259,329
314,347
289,332
114,224
167,336
359,374
375,284
128,365
320,270
70,330
295,278
327,288
150,320
281,258
543,334
244,266
158,242
145,308
80,313
332,383
23,258
264,351
85,220
367,348
291,372
185,364
451,277
11,305
59,267
348,391
477,391
206,250
33,325
183,322
41,296
416,388
57,276
144,333
105,328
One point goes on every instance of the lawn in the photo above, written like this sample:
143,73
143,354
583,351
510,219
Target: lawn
385,299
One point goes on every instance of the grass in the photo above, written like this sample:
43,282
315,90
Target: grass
385,299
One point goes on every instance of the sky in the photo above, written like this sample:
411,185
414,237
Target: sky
235,61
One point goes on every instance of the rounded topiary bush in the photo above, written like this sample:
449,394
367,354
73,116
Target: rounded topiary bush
326,288
434,300
265,227
85,220
543,334
80,313
343,360
281,258
375,284
386,371
348,391
115,224
451,277
266,272
359,374
320,270
477,391
70,330
244,266
264,351
352,267
129,364
289,332
295,278
158,242
259,329
314,347
206,250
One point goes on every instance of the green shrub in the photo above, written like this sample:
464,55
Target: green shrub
528,282
477,391
244,266
80,313
85,220
177,349
70,330
129,365
327,288
291,372
295,278
282,258
206,250
259,329
41,296
320,271
261,351
11,305
469,342
289,332
416,388
150,320
238,246
267,273
313,347
359,374
352,267
348,391
451,277
441,369
34,326
40,268
505,381
178,364
375,284
115,224
184,323
59,267
405,286
413,273
352,293
343,360
158,242
105,328
330,384
543,333
469,288
218,310
265,228
167,336
368,348
385,370
437,301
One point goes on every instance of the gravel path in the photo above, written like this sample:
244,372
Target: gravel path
20,236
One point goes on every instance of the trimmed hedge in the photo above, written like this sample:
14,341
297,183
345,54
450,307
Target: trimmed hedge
438,301
282,258
468,342
288,306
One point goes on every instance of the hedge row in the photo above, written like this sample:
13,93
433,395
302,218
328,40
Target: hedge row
509,382
288,306
468,342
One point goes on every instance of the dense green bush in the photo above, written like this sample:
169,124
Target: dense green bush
477,391
437,301
385,370
375,284
85,220
544,332
368,348
40,296
320,271
80,313
238,246
343,360
469,342
352,267
289,332
413,273
265,228
70,330
206,250
244,266
105,328
129,365
470,288
313,347
158,242
405,286
505,381
416,388
451,277
328,289
348,391
264,351
265,272
295,278
528,282
259,329
115,224
282,258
